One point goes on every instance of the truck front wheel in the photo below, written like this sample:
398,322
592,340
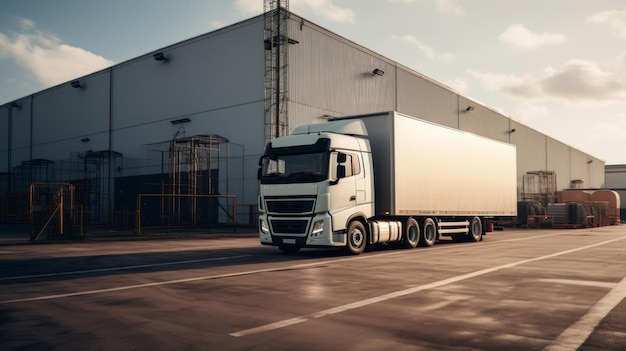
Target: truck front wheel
357,238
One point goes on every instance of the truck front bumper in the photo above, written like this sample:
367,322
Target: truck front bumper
317,233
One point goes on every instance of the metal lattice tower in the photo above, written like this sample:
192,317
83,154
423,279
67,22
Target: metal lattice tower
276,43
539,186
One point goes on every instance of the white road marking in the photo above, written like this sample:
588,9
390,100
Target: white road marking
400,293
128,287
574,336
121,268
187,280
581,282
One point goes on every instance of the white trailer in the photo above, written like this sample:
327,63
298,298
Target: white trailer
383,177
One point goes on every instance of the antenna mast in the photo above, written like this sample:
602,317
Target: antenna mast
276,42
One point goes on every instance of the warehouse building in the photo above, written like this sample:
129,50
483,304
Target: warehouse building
191,120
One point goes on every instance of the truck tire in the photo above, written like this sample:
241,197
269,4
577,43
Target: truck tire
475,230
411,235
357,238
429,233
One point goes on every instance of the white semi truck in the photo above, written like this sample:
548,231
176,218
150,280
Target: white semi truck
382,178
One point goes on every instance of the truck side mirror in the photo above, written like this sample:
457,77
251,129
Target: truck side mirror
340,174
341,171
258,173
341,157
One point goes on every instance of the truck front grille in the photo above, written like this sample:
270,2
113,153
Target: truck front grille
288,226
290,206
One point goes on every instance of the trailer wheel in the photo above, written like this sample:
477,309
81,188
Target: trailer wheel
289,249
429,233
475,230
411,235
356,238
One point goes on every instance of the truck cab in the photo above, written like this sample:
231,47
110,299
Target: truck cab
313,184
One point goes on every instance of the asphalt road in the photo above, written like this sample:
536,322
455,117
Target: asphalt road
515,290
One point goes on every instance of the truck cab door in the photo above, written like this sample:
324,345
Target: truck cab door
343,190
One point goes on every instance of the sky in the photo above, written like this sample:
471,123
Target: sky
558,66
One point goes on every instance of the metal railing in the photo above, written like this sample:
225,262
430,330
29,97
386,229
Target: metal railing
183,211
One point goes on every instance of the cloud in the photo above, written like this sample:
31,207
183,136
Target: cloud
445,6
47,57
509,83
576,81
424,48
26,24
614,18
581,80
328,10
249,7
448,6
324,8
457,84
519,37
216,24
620,64
531,114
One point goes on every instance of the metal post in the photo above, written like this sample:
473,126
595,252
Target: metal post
60,198
9,142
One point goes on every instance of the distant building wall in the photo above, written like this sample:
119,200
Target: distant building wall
616,180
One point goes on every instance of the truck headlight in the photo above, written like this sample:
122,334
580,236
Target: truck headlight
263,226
318,228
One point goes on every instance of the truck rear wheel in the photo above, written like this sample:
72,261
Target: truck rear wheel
475,230
411,235
429,233
357,238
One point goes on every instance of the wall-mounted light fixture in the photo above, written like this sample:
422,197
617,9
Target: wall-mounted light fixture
179,121
589,162
512,130
14,105
278,40
159,56
469,109
84,140
378,72
76,84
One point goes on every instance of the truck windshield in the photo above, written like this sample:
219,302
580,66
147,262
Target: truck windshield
295,168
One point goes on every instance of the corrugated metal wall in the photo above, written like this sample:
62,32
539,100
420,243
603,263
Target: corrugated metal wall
4,139
423,98
20,134
329,75
616,178
531,150
215,81
64,115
